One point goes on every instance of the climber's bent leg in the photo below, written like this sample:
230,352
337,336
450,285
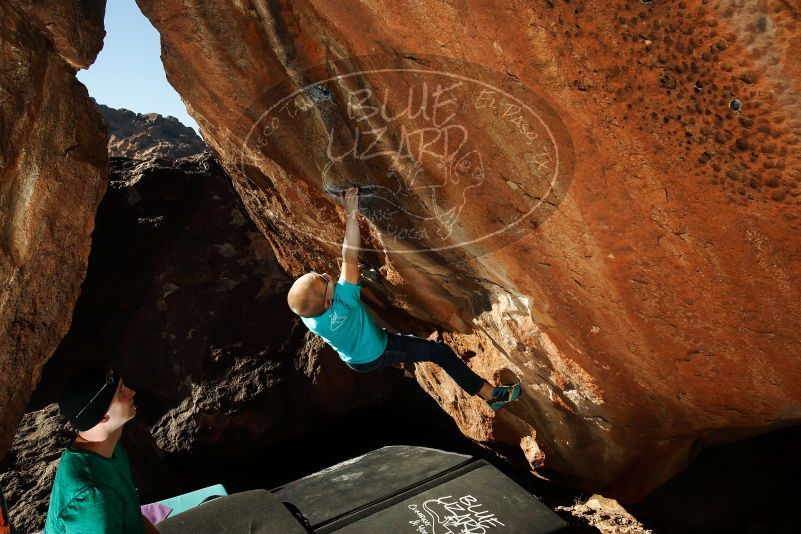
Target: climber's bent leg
403,348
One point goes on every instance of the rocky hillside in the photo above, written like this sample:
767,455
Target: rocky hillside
148,135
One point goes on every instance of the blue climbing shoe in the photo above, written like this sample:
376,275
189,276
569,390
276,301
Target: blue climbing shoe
503,395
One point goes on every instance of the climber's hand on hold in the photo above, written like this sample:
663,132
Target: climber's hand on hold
351,201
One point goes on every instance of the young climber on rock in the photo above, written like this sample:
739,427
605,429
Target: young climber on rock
336,313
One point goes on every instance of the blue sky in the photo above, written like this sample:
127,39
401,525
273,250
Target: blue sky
128,72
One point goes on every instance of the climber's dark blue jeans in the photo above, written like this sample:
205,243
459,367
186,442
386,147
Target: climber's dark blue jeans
403,348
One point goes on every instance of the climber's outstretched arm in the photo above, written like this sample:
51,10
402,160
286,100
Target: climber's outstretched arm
352,243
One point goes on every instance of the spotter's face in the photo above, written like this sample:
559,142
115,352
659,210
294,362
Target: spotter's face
122,408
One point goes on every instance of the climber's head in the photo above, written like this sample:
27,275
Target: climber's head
311,294
97,402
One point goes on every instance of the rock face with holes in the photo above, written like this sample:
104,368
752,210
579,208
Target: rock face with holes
652,312
52,175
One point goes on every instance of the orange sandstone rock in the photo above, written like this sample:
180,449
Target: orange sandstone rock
650,305
52,175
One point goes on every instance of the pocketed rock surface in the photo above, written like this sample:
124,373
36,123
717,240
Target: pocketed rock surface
653,311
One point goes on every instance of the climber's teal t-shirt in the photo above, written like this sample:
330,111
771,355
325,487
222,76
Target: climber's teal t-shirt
347,326
92,493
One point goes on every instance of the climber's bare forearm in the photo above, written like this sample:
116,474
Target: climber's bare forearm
352,242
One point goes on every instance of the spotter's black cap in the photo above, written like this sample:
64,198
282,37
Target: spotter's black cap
86,396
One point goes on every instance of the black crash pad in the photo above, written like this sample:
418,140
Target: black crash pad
419,491
479,501
357,482
249,512
391,490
